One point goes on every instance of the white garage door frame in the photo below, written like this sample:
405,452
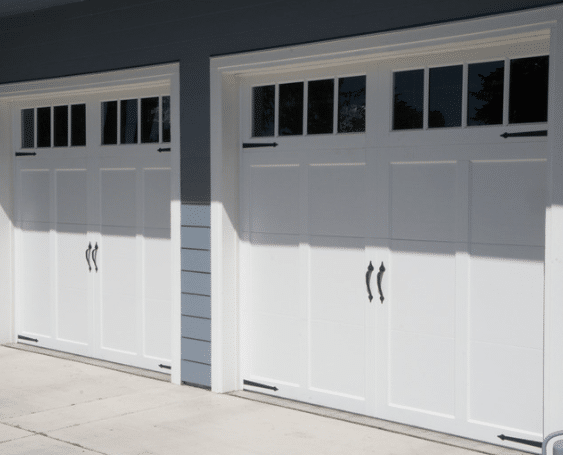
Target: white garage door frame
225,145
136,78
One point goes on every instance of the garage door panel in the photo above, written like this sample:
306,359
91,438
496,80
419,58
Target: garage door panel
421,278
277,356
274,197
337,280
337,359
422,372
275,267
508,201
157,321
157,268
337,199
35,195
514,404
72,321
119,323
423,201
118,197
71,187
506,295
156,198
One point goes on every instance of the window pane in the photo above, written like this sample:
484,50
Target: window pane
61,126
129,121
528,89
408,99
109,122
263,105
165,119
352,104
444,103
291,109
78,125
320,107
485,89
28,128
44,127
149,120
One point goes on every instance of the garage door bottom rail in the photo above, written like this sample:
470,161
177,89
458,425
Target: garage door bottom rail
416,432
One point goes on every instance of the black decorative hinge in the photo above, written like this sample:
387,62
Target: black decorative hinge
249,145
525,133
26,153
168,367
21,337
164,150
257,384
521,441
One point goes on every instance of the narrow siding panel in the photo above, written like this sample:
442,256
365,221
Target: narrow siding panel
196,373
196,283
196,260
196,305
196,215
197,328
198,351
196,237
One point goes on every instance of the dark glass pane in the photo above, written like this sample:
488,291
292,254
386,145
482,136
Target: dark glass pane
165,119
485,89
291,109
109,122
129,121
352,104
44,127
78,125
444,103
263,107
408,99
61,126
320,110
528,89
149,120
28,128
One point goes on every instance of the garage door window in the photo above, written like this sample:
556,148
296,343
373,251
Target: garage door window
145,120
51,126
321,106
485,90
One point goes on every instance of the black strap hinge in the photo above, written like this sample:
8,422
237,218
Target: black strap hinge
521,441
249,145
525,134
26,153
163,150
168,367
257,384
21,337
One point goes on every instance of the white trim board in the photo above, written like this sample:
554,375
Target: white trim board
136,78
228,71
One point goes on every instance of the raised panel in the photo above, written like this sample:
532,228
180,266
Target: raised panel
422,372
337,199
71,196
157,198
157,269
118,197
35,195
157,326
423,201
501,392
508,201
506,295
274,199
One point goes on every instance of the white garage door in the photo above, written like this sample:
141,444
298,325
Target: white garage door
93,216
400,166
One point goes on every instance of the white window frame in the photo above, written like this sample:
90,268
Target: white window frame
226,138
136,78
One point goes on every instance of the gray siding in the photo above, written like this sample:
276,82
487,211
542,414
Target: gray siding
196,292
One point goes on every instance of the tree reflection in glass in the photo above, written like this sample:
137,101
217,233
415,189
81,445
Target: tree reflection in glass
485,93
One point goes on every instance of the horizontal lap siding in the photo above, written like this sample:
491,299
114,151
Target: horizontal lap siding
196,292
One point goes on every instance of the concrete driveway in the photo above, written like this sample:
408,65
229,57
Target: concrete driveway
55,406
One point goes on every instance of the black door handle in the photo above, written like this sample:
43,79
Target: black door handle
94,255
379,278
88,256
368,279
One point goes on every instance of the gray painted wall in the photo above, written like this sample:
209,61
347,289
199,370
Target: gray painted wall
102,35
